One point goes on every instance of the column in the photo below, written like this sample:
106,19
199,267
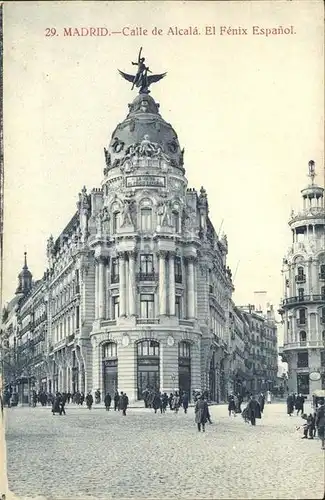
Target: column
108,295
132,284
101,288
162,283
96,289
171,260
122,283
190,288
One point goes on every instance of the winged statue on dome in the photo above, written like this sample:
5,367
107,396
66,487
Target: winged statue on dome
142,80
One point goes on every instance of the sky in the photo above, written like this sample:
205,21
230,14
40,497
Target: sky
248,109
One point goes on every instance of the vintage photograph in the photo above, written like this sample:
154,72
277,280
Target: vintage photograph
162,250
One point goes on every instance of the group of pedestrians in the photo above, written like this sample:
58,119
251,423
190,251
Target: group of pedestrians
121,401
160,401
297,402
314,421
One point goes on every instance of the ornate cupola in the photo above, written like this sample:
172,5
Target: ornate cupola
24,278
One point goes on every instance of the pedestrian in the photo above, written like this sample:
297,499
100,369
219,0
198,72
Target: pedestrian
254,410
164,401
201,413
300,404
320,422
124,402
116,401
89,400
269,397
185,402
231,405
290,404
107,401
156,403
176,402
261,401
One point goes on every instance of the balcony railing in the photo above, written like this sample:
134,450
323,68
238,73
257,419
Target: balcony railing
300,278
147,276
304,298
303,344
147,321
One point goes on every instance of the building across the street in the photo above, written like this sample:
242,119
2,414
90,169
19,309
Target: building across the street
137,293
303,306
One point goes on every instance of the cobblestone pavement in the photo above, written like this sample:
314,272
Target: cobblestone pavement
95,454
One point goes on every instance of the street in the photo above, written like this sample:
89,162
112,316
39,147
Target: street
99,454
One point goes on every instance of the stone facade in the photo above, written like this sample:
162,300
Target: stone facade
137,292
303,306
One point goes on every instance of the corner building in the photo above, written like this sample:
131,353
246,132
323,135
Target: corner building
138,288
303,306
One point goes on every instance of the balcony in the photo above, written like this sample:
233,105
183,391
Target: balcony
188,322
301,345
147,321
300,278
303,299
147,276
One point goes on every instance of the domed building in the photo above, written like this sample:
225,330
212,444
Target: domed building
137,289
303,306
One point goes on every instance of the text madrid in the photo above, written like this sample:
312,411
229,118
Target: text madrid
177,31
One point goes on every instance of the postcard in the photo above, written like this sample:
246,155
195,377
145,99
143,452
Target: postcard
162,248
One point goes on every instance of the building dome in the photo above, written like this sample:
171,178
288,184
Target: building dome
143,123
24,278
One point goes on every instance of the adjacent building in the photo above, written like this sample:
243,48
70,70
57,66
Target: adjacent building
137,292
303,306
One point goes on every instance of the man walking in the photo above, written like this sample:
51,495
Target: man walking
320,422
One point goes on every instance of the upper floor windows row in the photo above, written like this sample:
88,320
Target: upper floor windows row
147,270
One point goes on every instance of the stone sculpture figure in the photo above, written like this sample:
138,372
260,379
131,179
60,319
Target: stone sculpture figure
126,214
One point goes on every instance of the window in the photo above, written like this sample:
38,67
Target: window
302,316
322,358
146,267
116,307
323,335
77,316
302,360
109,350
178,306
146,305
322,319
184,350
146,219
178,269
116,222
300,294
302,337
175,221
322,271
115,270
148,348
322,292
300,271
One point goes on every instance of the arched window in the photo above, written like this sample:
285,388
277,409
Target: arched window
109,350
146,219
302,337
148,348
300,277
300,271
116,222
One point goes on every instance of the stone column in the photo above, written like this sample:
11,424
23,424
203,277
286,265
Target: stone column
108,295
127,370
171,260
169,377
101,288
96,289
190,288
162,283
132,284
122,284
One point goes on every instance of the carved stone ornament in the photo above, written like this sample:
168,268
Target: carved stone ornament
117,145
125,340
172,146
170,341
